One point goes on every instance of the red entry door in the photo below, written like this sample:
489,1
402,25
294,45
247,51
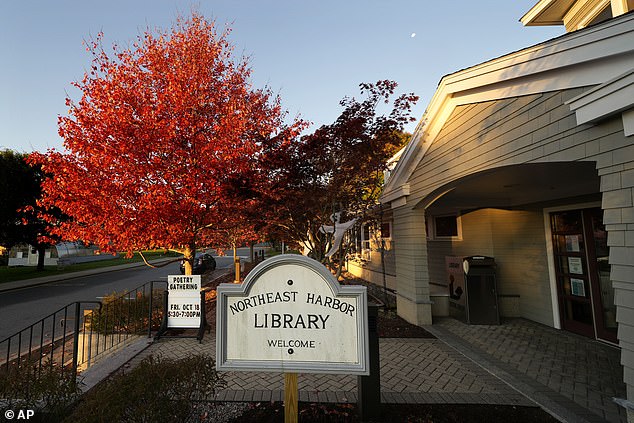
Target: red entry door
586,296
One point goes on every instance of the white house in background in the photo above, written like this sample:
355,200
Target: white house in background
61,253
529,159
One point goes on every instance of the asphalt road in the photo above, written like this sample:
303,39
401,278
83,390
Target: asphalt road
20,308
23,307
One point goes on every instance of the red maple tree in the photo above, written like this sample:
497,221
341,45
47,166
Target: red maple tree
167,143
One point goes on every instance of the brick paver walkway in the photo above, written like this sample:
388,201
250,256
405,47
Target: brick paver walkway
412,371
575,376
516,363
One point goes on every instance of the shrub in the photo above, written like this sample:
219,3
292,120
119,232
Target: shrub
158,389
125,313
48,389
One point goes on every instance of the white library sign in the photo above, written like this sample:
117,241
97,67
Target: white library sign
183,301
291,315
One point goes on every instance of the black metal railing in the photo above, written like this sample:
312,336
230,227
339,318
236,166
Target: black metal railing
122,318
78,334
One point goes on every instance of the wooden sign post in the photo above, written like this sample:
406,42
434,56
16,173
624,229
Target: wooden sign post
291,396
236,265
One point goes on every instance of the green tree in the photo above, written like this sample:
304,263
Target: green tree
19,192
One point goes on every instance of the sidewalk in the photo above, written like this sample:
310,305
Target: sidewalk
413,370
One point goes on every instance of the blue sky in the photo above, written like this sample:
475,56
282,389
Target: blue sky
312,53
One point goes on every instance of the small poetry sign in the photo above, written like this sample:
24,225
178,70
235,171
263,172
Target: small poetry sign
183,301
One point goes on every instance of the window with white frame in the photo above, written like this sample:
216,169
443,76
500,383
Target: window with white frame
371,237
446,227
365,242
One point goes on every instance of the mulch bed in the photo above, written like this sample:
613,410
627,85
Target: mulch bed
413,413
389,325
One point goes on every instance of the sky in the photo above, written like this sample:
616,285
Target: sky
310,52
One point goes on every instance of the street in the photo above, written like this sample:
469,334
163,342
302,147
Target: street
23,307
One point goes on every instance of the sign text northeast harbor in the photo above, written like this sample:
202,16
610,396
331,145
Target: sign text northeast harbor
291,315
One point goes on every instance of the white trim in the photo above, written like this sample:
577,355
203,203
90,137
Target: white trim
392,163
598,42
619,7
607,99
409,156
628,122
574,14
535,16
397,196
583,13
554,295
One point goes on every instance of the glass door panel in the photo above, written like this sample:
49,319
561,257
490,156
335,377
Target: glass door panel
569,248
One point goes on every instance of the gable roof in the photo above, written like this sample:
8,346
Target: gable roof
547,12
575,14
583,58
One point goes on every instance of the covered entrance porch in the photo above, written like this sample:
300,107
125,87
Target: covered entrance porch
543,224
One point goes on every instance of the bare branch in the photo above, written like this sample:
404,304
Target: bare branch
157,266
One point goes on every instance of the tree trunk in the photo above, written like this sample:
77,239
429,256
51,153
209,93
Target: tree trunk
41,251
343,252
188,256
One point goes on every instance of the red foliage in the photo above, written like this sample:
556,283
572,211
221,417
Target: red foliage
166,144
339,167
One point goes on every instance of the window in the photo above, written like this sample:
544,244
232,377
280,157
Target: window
447,227
365,242
385,230
21,251
366,233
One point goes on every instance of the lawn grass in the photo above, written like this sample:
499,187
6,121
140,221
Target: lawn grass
10,274
273,252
